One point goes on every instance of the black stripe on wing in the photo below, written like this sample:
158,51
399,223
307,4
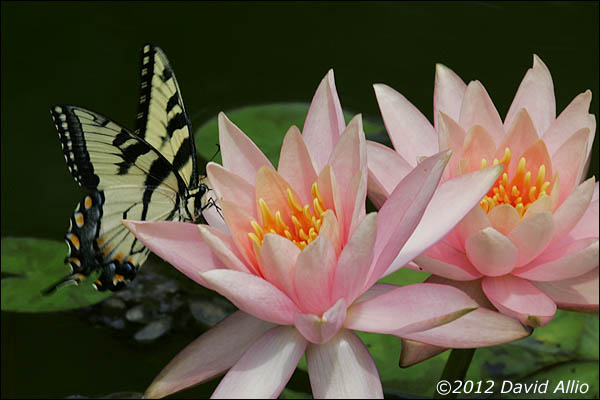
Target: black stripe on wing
162,120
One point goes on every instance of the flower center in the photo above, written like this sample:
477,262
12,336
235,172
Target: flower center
521,191
306,223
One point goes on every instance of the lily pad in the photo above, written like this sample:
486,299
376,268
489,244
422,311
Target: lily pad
30,266
266,125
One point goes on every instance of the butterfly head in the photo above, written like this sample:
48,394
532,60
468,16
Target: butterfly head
198,200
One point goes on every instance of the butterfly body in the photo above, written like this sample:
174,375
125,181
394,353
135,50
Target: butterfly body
147,175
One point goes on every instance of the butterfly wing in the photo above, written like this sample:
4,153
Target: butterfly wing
129,179
162,120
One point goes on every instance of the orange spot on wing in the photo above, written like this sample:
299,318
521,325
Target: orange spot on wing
74,260
79,220
118,278
88,202
74,240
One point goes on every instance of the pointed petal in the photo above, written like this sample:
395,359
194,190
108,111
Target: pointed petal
504,218
478,109
354,261
178,243
536,94
491,252
410,132
264,370
521,135
253,295
542,204
332,198
296,166
407,309
570,120
324,122
566,262
232,187
439,219
444,260
224,248
474,221
413,352
520,299
342,368
315,267
331,230
238,152
470,288
572,210
386,170
279,257
588,223
212,353
319,330
478,145
451,136
358,192
480,328
212,215
238,222
448,93
532,236
271,187
569,162
577,294
400,215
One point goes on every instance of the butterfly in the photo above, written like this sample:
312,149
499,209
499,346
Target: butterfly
149,174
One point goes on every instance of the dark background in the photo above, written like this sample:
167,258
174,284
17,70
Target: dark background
228,55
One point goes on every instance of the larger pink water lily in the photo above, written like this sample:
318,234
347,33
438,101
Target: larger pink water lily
532,243
299,257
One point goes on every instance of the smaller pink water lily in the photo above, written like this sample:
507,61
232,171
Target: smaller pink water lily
299,256
532,244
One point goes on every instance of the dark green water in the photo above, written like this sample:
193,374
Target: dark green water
228,55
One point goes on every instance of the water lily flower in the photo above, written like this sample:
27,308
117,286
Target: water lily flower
300,258
532,243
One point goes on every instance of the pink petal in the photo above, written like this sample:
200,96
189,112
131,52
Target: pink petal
272,188
358,192
505,217
448,94
478,145
354,261
238,222
439,218
570,120
569,162
544,203
238,152
451,136
253,295
213,217
536,94
279,257
296,166
532,236
409,309
577,294
470,288
410,132
535,156
330,193
232,187
412,352
331,230
206,357
315,267
565,262
224,248
178,243
319,330
480,328
572,210
401,213
267,366
324,122
521,135
342,368
444,260
386,170
474,221
491,252
588,223
520,299
478,109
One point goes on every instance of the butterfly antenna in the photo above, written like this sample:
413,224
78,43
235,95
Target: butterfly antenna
67,281
217,152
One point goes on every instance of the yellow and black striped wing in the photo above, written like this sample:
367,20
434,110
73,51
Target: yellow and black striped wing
162,120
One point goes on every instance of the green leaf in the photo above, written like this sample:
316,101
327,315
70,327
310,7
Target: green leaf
266,125
30,266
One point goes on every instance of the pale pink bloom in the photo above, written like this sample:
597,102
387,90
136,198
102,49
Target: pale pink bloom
532,243
299,256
